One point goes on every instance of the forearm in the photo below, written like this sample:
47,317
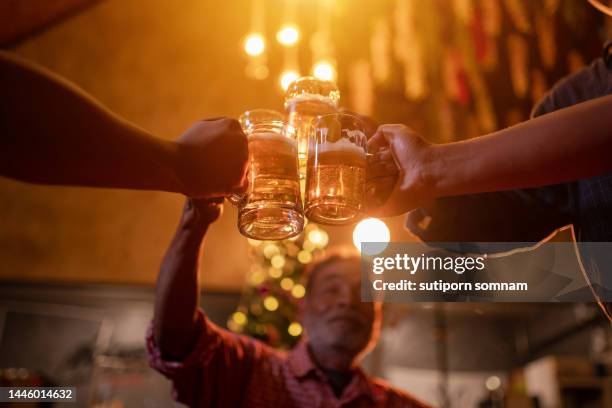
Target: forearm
565,145
51,132
178,292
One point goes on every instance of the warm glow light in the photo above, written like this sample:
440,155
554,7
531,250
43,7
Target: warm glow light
493,383
288,35
324,70
240,318
257,277
309,246
298,291
270,250
318,237
286,283
254,44
294,329
371,230
287,77
304,257
275,273
270,303
278,261
315,236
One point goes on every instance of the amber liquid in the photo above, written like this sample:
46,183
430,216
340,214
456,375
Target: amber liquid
335,185
273,209
301,112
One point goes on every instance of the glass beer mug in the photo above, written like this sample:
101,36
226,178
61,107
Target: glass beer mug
271,207
336,170
305,99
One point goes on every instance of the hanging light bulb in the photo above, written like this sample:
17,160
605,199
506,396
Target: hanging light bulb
254,44
287,77
288,35
324,70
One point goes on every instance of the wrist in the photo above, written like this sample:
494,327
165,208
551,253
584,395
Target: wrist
451,168
178,164
434,170
193,224
424,180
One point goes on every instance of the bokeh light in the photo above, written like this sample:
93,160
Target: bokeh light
493,383
257,277
275,273
287,77
298,291
324,70
371,230
294,329
240,318
309,246
304,257
286,283
270,303
254,44
288,35
315,237
278,261
270,250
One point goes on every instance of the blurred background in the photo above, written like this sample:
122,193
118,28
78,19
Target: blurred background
78,266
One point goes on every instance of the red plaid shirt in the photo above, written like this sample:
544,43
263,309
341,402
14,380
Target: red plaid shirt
230,370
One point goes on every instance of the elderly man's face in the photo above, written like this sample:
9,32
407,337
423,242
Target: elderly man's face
334,315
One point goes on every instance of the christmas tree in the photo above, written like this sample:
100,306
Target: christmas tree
269,306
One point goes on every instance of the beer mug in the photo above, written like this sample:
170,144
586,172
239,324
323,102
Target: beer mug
336,170
305,99
271,207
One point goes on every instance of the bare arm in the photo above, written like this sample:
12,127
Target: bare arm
52,132
565,145
177,294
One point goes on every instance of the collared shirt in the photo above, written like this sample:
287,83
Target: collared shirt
230,370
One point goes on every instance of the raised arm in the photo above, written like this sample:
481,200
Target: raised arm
564,145
176,301
52,132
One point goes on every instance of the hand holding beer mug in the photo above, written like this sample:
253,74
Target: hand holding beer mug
336,170
271,208
305,99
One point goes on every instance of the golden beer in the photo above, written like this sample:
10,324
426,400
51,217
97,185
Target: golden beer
301,112
271,209
336,171
305,100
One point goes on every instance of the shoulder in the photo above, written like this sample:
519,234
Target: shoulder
394,396
590,82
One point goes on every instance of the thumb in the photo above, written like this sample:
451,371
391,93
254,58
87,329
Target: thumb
377,141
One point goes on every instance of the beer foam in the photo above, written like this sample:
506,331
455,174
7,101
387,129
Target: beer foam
308,97
342,145
269,136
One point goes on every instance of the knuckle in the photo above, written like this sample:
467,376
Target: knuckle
232,124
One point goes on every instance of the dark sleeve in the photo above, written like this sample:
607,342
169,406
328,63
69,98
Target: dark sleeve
219,362
521,216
